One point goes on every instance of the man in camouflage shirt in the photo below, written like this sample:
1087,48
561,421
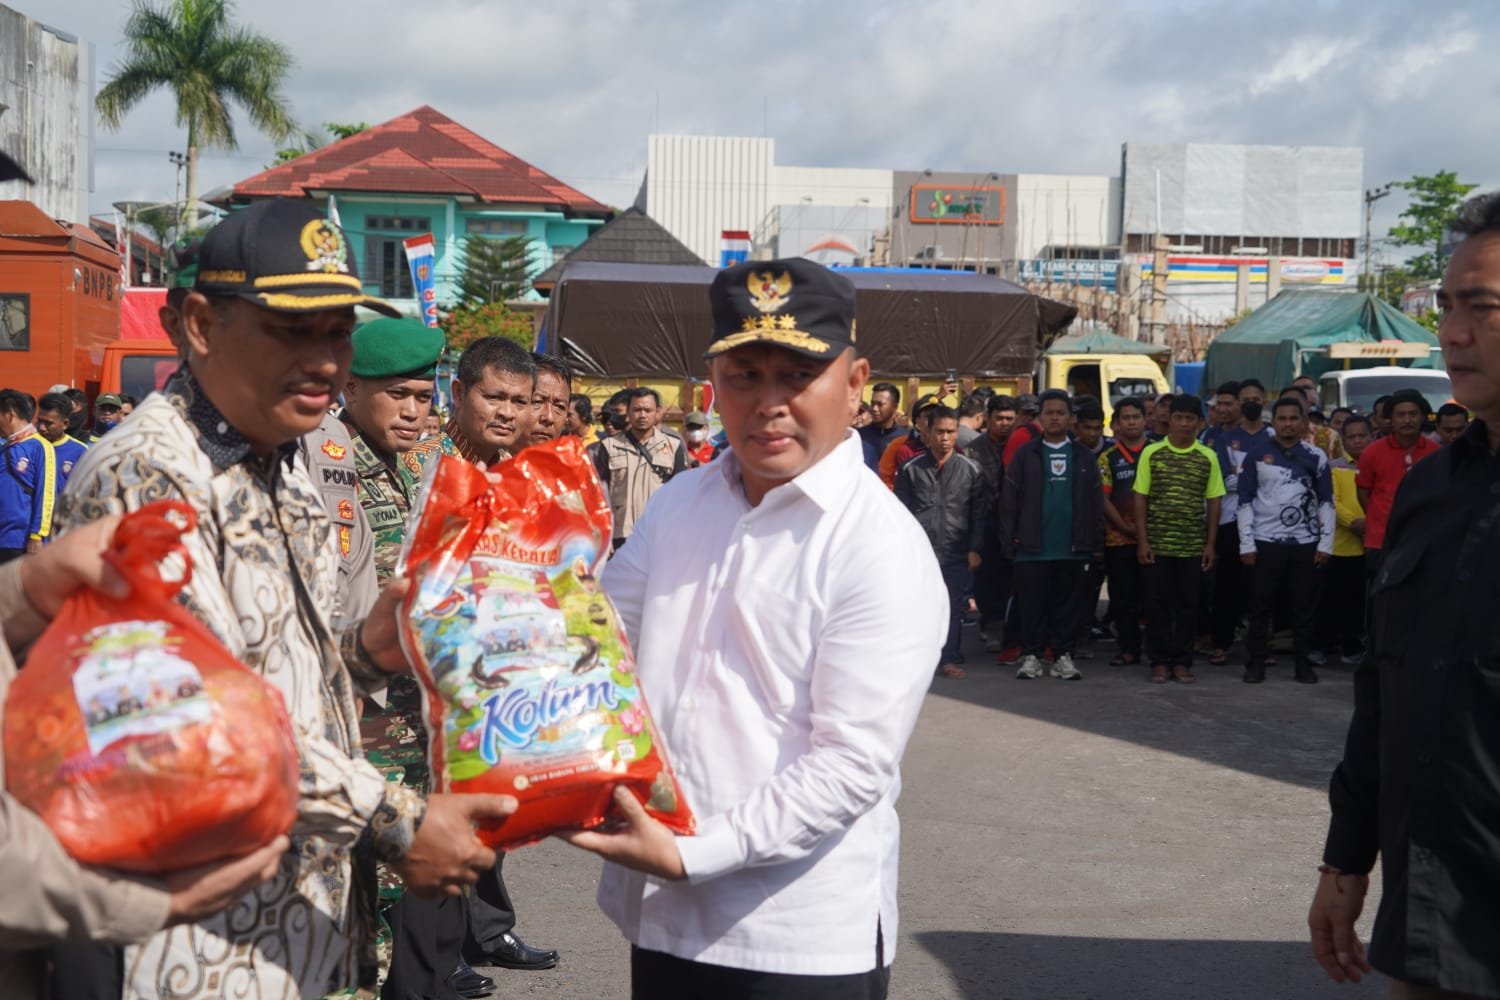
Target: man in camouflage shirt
387,399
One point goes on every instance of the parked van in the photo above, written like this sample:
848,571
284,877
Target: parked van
1358,388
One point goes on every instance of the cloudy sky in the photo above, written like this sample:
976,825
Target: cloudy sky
575,86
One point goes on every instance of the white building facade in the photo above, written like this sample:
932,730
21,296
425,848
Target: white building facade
1230,215
46,115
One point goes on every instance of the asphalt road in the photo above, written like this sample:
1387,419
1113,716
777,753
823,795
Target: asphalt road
1106,838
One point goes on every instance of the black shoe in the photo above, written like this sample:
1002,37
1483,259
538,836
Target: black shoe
1305,674
1254,674
464,977
513,953
469,984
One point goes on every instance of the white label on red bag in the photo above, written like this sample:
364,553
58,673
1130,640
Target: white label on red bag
131,682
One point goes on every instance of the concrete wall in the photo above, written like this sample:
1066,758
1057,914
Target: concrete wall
921,236
834,235
697,186
46,86
1257,191
1057,211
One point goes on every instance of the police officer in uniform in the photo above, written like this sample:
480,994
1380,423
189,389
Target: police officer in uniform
329,457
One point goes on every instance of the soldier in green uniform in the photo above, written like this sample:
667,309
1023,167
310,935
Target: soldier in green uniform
387,399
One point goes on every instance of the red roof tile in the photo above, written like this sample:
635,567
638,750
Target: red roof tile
423,152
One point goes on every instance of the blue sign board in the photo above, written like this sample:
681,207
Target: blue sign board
1088,273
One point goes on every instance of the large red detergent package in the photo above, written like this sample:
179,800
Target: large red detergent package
135,734
529,685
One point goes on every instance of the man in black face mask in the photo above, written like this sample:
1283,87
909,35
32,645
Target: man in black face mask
1252,408
614,415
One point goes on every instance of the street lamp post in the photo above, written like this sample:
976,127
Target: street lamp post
1371,197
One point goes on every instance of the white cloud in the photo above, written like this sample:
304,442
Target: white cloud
574,86
1304,60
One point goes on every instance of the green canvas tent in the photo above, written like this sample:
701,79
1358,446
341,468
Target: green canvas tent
1285,337
1103,342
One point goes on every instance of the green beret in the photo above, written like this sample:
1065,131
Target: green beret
386,348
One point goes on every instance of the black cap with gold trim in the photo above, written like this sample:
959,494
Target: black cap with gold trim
284,255
791,303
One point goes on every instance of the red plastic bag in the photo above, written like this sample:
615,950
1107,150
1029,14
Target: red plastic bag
135,734
528,681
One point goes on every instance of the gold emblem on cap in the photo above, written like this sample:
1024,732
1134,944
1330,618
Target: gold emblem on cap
325,248
769,290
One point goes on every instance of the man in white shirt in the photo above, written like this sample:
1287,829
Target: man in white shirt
785,674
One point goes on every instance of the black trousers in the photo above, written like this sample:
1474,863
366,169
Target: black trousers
491,915
87,970
1125,596
1284,570
992,587
426,938
1173,586
655,975
956,579
1047,601
1341,610
1230,581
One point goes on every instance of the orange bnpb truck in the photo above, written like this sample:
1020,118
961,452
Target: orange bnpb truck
64,319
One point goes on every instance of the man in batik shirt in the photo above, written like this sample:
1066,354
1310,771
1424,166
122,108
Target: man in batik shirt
266,333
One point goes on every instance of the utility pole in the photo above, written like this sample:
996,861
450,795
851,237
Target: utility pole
1371,197
179,160
1159,268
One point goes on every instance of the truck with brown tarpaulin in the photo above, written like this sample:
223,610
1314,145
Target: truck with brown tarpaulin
649,324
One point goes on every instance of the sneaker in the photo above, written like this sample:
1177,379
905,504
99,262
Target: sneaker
1063,669
1030,670
1316,658
1009,655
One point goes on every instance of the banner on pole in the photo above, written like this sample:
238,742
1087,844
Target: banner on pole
122,244
421,254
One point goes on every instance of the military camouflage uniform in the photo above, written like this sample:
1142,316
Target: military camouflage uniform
393,735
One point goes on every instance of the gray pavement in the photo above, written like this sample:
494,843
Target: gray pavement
1106,838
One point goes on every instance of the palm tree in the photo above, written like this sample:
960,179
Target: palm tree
193,49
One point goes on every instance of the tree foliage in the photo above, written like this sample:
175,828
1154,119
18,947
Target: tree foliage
192,49
1434,203
493,270
466,324
160,222
310,140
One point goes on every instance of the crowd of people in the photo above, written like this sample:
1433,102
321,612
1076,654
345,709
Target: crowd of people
784,672
1207,521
